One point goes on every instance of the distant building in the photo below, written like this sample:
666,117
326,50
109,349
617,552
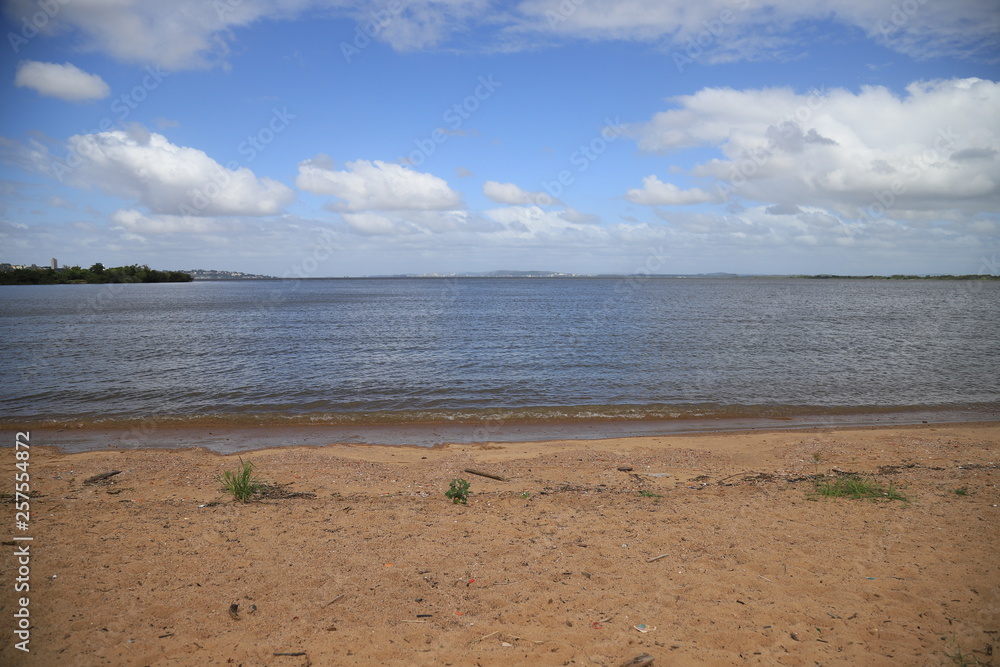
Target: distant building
55,264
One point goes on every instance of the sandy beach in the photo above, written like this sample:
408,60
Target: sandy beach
693,549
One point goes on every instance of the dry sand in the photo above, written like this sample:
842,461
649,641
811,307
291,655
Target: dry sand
726,559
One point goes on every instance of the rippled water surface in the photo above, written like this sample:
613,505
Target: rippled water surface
438,350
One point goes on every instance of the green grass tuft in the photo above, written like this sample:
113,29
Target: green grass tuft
458,492
241,485
960,658
857,487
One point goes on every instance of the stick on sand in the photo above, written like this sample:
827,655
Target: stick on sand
485,474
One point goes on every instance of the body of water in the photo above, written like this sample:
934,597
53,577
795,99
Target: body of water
394,351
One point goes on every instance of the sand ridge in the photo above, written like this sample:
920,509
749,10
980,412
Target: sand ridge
710,550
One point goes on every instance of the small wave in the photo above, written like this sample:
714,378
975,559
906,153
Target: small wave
475,417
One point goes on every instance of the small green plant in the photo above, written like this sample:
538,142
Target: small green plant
646,493
857,487
526,495
959,657
241,485
816,460
458,492
963,491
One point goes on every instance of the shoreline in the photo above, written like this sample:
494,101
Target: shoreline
707,548
227,438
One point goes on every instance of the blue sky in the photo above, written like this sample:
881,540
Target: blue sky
326,138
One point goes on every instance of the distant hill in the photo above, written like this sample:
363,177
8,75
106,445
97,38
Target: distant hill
212,274
510,273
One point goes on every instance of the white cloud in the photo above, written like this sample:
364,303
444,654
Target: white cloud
511,194
67,81
31,154
725,30
185,34
656,193
376,185
59,202
813,240
578,217
510,226
375,224
927,152
137,223
179,34
453,224
194,33
537,225
169,179
421,24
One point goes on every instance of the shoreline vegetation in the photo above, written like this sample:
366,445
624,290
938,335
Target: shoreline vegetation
96,274
135,273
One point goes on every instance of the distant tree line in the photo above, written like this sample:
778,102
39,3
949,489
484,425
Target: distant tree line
135,273
971,276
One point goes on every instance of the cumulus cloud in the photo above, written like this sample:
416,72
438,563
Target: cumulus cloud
67,81
655,193
922,153
376,186
509,193
169,179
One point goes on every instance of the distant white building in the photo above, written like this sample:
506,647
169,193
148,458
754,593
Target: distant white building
55,264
